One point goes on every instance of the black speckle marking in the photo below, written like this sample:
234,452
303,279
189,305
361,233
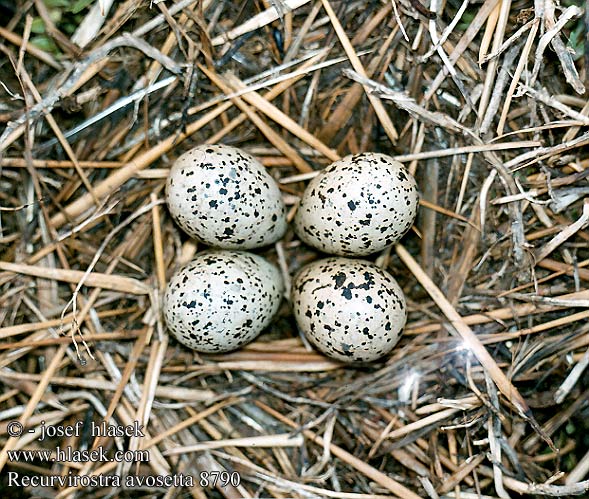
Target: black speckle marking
339,278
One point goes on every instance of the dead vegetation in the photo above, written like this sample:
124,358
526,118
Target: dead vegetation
486,394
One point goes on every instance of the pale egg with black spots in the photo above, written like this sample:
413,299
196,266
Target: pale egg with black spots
222,300
358,205
351,310
225,198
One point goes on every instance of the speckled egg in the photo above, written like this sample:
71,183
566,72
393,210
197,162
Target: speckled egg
222,300
358,205
223,197
351,310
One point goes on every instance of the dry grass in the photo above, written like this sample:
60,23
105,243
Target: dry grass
485,395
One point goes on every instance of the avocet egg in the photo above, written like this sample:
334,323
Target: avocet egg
351,310
223,197
358,205
222,300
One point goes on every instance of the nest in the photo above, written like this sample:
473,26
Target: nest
486,393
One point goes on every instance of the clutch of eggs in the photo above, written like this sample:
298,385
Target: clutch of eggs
350,310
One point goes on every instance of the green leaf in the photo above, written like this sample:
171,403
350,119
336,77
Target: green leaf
54,4
38,26
577,40
45,43
80,5
69,28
